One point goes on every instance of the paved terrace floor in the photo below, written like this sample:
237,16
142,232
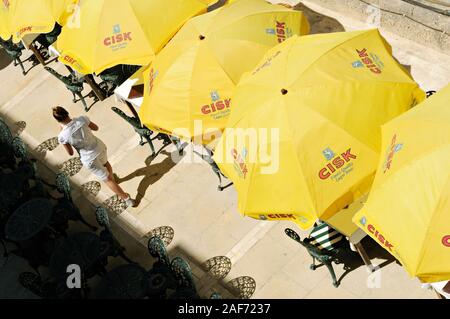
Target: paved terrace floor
184,195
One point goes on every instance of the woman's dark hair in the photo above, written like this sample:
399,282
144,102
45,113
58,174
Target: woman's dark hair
60,114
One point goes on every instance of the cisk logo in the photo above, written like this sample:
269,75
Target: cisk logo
152,77
378,236
372,62
69,59
24,29
328,153
117,37
335,162
217,104
280,31
239,162
281,216
284,217
390,152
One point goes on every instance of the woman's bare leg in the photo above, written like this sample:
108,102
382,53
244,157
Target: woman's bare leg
116,188
109,168
112,184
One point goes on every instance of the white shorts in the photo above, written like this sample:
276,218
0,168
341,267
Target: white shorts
97,166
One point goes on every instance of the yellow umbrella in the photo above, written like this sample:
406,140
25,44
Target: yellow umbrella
102,34
37,16
305,124
64,9
192,80
5,27
408,209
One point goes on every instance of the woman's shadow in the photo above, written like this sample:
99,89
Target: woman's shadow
151,173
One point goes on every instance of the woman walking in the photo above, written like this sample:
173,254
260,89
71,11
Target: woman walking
77,133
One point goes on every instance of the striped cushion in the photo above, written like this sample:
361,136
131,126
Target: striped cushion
324,237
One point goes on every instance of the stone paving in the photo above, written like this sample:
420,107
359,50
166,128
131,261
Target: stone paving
223,248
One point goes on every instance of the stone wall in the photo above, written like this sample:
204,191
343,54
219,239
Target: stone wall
412,19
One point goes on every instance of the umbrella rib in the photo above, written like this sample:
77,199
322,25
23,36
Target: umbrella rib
296,158
425,248
191,128
331,49
261,11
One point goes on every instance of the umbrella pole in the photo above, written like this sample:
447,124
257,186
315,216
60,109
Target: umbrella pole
89,79
95,88
37,54
362,252
132,109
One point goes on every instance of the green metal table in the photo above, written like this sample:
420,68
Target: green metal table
29,219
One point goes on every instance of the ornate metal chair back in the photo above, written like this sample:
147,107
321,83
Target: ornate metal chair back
320,245
101,214
5,134
63,185
182,272
135,122
157,249
19,149
313,250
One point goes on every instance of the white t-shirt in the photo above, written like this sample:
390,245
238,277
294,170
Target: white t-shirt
78,134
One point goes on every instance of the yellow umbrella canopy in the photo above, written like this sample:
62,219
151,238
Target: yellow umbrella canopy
105,33
190,83
64,9
408,209
37,16
304,134
5,27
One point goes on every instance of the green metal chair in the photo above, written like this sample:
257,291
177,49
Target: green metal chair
115,76
186,287
157,250
26,163
48,289
28,168
7,159
324,244
73,84
183,272
160,276
5,133
63,185
208,158
15,53
144,133
106,235
65,209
